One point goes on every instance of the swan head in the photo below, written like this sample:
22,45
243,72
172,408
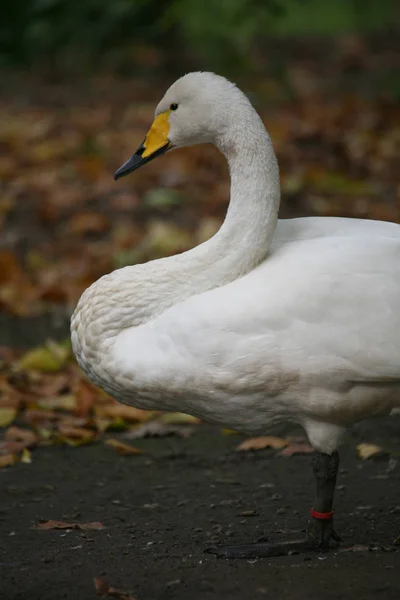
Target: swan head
198,108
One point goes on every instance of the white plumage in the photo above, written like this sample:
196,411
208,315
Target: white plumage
292,320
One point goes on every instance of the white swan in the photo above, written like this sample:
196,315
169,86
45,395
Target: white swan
267,321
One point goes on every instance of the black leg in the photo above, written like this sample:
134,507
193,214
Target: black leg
320,528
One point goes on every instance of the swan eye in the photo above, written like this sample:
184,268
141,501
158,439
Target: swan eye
173,106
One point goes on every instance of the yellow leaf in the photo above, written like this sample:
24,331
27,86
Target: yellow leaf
176,418
73,442
26,456
7,416
259,443
226,431
102,424
365,450
44,433
121,448
63,402
47,359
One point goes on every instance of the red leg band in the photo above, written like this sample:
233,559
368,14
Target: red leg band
320,515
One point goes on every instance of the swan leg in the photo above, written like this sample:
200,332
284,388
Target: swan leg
320,528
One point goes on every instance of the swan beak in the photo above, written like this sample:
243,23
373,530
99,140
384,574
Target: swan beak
155,143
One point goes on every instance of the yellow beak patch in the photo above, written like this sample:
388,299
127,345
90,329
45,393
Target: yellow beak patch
158,134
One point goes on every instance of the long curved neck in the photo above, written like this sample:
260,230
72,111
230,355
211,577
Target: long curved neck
135,295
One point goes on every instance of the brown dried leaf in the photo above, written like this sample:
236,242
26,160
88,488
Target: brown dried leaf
89,222
11,447
7,460
365,450
297,448
25,436
39,418
76,433
129,413
103,589
355,548
121,448
45,525
51,385
69,420
85,395
260,443
157,429
10,269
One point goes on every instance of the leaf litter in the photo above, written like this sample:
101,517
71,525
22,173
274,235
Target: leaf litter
44,403
104,589
288,446
337,154
46,400
46,525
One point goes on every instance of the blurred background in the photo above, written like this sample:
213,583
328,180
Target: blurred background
79,83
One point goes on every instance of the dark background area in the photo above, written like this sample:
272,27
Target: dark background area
79,82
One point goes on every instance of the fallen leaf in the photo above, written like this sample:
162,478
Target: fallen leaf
121,448
74,436
355,548
162,198
45,525
47,359
85,397
226,431
299,448
365,450
7,416
64,402
176,418
89,222
165,238
39,418
249,513
7,459
76,432
129,413
26,456
103,589
10,268
11,447
102,424
25,436
67,420
51,385
259,443
157,429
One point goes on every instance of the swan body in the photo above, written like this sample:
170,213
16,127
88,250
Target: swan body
269,320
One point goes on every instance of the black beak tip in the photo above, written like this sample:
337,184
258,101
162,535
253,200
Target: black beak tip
136,161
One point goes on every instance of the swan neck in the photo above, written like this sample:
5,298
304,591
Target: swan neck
137,294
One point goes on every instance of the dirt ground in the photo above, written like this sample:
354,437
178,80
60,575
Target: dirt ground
161,509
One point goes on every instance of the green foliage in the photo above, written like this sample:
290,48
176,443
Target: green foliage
84,32
48,30
224,30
